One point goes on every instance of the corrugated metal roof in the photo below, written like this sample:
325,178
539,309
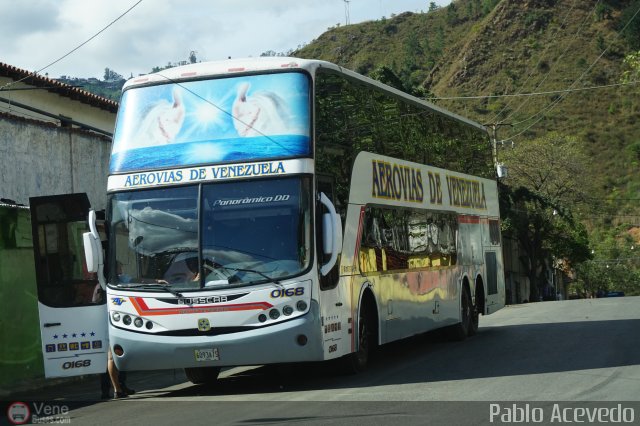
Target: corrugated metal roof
54,86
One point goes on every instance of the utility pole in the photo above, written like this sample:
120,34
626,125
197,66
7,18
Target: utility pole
346,12
494,143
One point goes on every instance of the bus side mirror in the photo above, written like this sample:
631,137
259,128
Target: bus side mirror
93,249
331,234
327,233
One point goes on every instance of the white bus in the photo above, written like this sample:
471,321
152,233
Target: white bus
278,210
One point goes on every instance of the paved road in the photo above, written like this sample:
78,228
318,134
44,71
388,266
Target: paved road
575,351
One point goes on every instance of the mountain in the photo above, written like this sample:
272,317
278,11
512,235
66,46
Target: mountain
482,52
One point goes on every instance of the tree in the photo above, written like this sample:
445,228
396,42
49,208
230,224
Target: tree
537,201
549,166
488,5
433,6
603,11
111,75
631,66
385,75
615,265
452,14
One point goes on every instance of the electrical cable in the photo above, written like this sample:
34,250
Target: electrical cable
561,97
550,92
72,50
575,37
533,70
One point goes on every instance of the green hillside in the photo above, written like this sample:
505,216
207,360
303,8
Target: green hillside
484,48
547,74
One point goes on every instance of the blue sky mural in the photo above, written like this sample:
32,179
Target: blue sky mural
212,121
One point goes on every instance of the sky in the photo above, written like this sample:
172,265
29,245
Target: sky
156,32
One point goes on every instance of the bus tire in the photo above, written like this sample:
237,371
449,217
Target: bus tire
358,361
461,330
202,375
474,320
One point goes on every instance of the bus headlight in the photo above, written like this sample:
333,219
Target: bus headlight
126,320
301,305
138,322
274,314
115,316
287,310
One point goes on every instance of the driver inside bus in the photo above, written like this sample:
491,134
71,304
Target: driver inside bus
192,265
183,269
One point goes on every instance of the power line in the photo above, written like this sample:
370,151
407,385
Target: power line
72,50
561,98
557,60
550,92
548,45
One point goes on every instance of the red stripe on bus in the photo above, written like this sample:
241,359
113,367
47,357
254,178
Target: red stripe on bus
356,259
143,309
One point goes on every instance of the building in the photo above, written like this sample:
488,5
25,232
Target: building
54,139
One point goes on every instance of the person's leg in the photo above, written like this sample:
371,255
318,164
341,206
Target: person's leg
113,375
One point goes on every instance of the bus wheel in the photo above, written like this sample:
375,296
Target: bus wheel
474,319
202,375
357,361
461,330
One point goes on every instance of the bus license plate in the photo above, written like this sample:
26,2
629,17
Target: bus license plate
207,354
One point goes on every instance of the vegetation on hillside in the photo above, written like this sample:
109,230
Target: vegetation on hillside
541,71
557,79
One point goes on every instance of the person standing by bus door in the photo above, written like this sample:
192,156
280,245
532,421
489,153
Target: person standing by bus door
119,389
112,377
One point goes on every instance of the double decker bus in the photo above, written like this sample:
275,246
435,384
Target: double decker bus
279,210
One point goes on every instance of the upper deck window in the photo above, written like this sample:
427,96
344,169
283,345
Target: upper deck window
224,120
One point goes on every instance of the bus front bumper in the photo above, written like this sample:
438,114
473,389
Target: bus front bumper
278,343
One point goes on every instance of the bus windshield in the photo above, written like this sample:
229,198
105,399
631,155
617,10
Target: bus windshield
210,236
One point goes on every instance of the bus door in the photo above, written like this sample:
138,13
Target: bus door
333,288
71,304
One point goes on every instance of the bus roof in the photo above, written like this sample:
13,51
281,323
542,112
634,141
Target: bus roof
227,67
274,63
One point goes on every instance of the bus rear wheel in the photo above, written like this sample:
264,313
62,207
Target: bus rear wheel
474,319
463,329
202,375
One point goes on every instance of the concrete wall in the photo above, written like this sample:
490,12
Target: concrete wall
40,159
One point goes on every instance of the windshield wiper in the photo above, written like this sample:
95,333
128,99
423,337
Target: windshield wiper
253,271
164,286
